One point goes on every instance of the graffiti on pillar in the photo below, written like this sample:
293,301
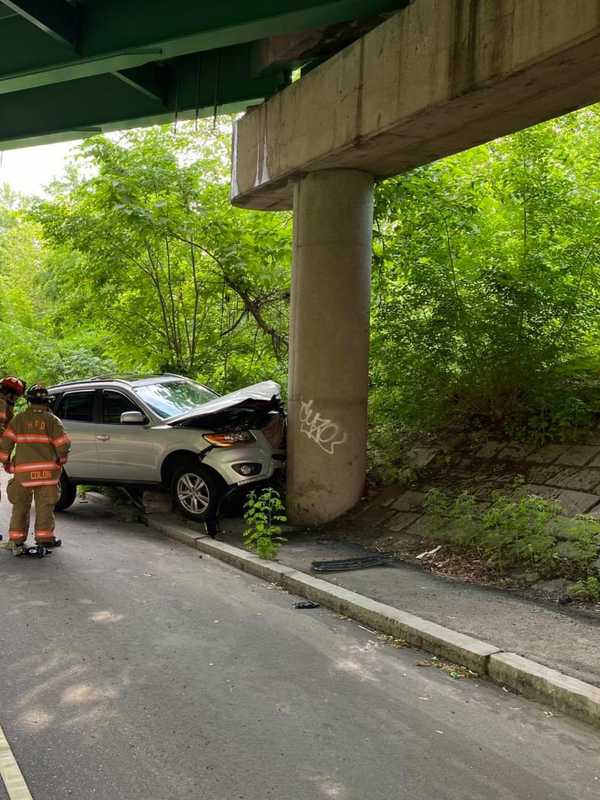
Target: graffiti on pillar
324,432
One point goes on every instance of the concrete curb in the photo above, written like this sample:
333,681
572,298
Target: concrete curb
562,692
531,679
418,632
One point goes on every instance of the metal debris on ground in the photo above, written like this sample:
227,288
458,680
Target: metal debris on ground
306,604
368,630
345,564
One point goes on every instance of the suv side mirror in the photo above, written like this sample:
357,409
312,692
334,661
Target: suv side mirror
132,418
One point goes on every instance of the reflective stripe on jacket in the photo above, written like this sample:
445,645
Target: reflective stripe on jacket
39,447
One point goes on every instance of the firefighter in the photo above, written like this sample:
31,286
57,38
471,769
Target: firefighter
39,447
10,390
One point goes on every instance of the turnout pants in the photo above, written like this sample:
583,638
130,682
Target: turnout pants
21,498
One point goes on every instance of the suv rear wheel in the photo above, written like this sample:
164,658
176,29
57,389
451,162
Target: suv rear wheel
195,492
67,492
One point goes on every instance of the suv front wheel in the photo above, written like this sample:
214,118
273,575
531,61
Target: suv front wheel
195,492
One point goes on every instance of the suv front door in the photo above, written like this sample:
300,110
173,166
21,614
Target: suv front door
126,453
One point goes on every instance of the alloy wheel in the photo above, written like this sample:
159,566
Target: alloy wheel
193,493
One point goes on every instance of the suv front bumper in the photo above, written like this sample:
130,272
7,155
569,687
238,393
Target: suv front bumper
228,461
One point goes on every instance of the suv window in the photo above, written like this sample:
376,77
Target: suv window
77,406
113,405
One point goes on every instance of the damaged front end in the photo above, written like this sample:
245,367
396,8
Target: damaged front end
254,408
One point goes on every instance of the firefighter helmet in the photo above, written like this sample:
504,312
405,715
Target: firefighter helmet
11,385
38,395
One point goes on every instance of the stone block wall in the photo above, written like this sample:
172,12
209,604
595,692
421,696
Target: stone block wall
569,474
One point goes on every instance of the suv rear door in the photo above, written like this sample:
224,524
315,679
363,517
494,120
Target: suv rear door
78,411
126,453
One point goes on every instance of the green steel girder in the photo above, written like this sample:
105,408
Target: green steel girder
54,17
154,94
69,68
119,34
185,26
150,79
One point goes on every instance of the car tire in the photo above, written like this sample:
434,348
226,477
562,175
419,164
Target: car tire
195,492
67,492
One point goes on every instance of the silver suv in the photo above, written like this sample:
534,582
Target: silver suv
169,431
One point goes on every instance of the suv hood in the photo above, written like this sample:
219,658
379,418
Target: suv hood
259,397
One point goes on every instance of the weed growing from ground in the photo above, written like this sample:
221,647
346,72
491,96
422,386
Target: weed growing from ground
518,531
264,515
587,591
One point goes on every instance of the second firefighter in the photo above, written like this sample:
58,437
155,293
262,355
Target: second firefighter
33,448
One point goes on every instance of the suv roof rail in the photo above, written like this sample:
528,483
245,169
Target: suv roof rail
94,379
118,379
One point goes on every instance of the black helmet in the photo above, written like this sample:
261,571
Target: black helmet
38,395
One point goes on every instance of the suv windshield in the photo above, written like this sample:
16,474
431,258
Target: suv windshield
170,399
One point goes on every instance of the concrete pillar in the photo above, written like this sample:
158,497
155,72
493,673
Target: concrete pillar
329,344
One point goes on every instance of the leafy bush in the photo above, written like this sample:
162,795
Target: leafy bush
516,532
487,285
586,591
263,514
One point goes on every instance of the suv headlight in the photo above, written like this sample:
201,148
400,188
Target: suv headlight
229,439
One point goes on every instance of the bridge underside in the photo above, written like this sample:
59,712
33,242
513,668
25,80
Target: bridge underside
72,68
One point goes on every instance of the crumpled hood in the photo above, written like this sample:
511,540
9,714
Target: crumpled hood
266,393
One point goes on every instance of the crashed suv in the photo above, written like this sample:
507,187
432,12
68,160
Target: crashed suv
168,431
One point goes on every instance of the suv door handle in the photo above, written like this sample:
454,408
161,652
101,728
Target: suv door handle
103,437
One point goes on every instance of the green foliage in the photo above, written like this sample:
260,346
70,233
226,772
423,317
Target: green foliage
386,450
517,532
522,531
586,591
454,519
171,275
263,514
487,286
138,262
486,280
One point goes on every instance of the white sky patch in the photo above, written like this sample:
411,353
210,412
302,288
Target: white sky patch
30,169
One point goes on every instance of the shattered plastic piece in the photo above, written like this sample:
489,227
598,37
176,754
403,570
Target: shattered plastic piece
306,604
429,553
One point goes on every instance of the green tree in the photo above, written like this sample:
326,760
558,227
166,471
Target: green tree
171,275
486,284
31,346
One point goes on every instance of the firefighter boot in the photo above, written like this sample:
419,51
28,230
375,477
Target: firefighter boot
21,498
46,498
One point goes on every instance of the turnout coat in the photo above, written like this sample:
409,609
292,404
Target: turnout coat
6,413
34,446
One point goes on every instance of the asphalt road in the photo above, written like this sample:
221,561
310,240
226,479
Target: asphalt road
132,668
